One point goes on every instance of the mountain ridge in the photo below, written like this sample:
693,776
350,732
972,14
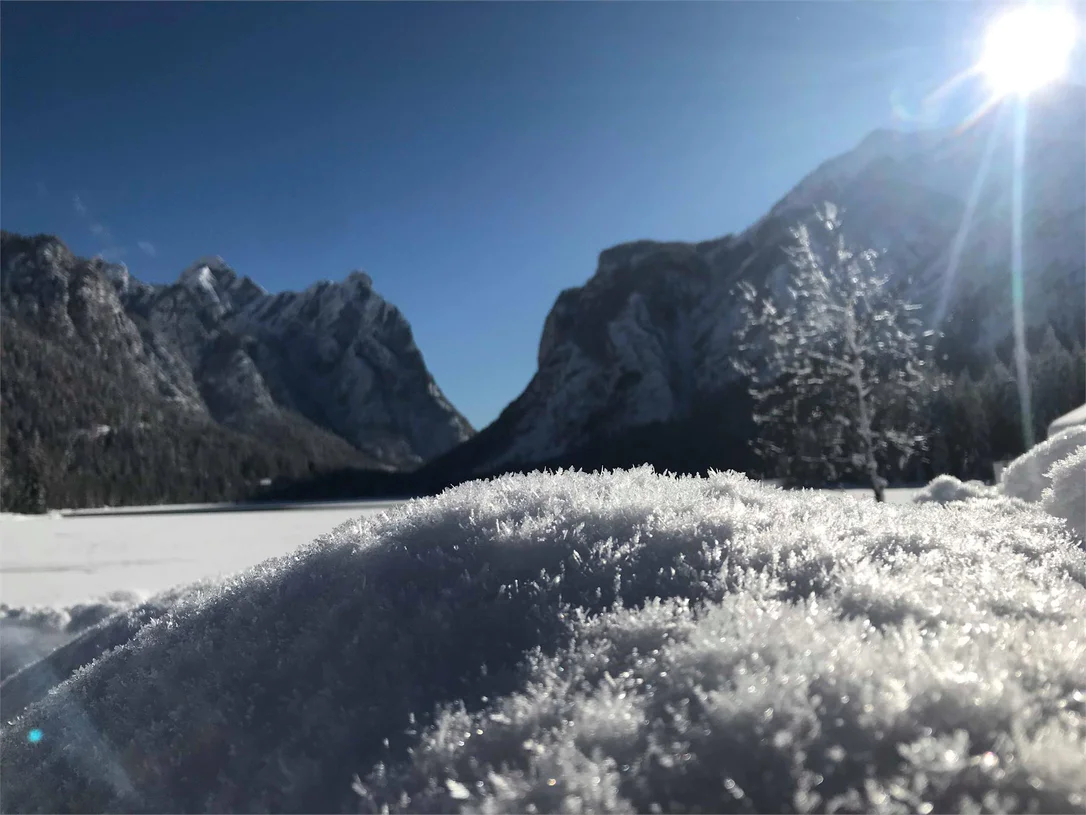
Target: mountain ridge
649,335
331,374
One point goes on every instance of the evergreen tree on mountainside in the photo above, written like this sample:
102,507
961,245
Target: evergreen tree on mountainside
1057,382
1053,375
71,438
210,373
973,422
959,430
95,408
837,362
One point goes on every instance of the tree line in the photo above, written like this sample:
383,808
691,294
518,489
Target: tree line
79,434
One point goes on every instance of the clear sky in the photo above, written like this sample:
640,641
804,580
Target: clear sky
474,158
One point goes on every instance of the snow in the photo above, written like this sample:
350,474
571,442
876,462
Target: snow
894,495
946,489
1052,473
28,634
1066,496
200,277
573,642
1075,417
56,562
60,574
1027,476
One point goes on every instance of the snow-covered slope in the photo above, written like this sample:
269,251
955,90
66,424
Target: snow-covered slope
336,356
649,336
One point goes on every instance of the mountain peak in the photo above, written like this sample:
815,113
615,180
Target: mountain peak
360,279
48,248
200,280
638,354
210,268
336,359
214,280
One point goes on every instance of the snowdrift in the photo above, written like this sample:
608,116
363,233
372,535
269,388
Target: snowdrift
1027,477
1066,496
1075,417
28,634
947,489
615,642
91,630
1051,474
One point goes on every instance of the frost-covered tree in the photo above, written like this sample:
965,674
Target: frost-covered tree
836,359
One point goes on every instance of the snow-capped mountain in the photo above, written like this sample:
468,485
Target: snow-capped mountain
335,357
649,336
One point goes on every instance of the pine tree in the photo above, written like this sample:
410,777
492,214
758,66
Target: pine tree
999,393
1052,382
959,429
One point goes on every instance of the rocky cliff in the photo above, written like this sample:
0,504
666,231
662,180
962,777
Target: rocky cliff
648,338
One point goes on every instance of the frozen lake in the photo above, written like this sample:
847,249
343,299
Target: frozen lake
58,561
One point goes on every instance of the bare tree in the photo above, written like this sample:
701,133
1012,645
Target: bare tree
836,361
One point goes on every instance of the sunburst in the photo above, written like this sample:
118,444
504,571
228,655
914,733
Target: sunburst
1027,48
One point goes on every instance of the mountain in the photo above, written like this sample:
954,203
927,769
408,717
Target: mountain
337,354
641,351
104,374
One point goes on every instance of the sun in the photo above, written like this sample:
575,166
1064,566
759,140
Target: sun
1027,48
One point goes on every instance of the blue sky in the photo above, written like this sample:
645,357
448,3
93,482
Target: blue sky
474,158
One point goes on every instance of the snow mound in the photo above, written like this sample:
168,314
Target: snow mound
1027,476
614,642
1074,417
28,634
91,631
946,489
1066,497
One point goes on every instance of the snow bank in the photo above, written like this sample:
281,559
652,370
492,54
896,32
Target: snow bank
1027,476
1066,497
28,634
610,642
1052,473
946,489
1075,417
94,630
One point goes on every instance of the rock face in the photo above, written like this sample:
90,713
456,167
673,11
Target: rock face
649,337
335,358
336,353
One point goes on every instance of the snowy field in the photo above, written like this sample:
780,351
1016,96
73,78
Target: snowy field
58,561
60,573
624,642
